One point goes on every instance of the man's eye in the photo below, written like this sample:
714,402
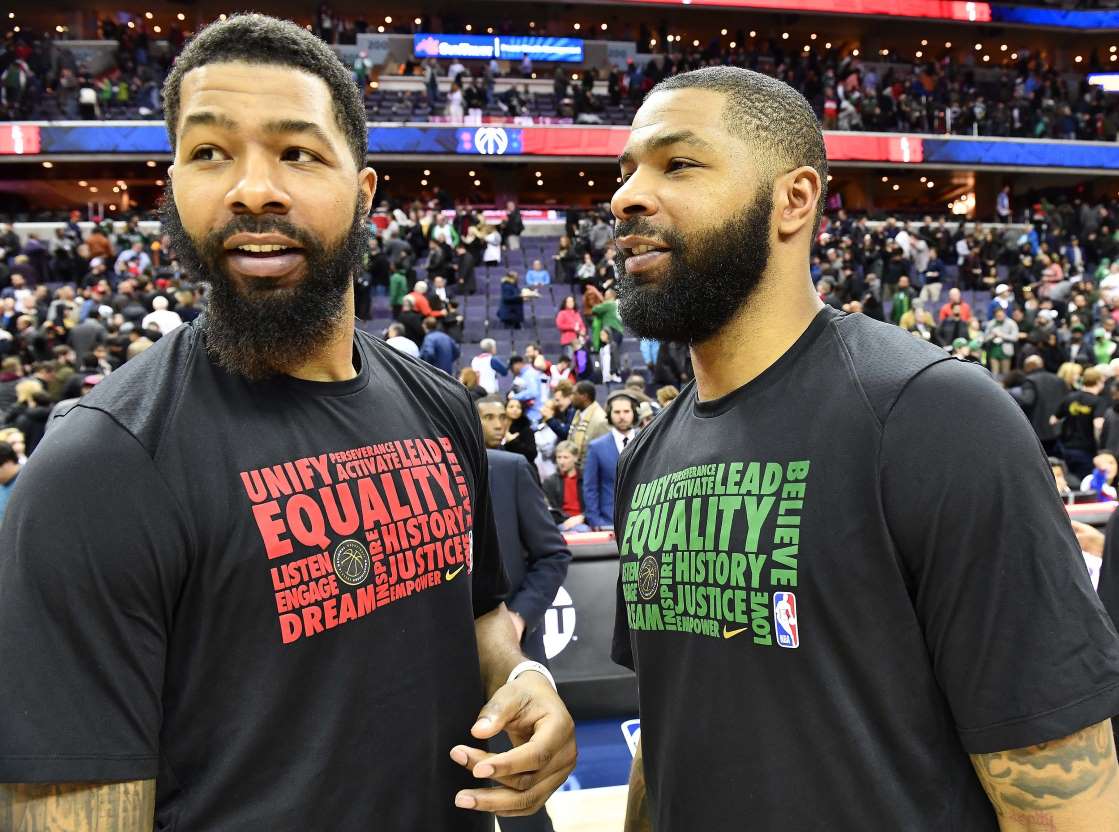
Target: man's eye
297,151
679,164
199,154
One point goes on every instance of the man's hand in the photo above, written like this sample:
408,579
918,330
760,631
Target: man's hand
543,754
548,410
1090,538
573,521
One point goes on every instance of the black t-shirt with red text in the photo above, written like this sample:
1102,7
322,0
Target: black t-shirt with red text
261,594
840,580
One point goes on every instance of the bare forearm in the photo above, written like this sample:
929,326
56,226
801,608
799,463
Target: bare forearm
78,807
498,649
1068,785
637,804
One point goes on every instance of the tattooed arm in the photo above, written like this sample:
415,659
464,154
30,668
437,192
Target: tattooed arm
1067,785
637,805
78,807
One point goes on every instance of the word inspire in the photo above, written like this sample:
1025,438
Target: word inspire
398,512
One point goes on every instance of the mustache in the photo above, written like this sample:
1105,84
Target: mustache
246,224
641,227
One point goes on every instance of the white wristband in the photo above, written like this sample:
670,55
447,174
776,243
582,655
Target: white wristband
526,666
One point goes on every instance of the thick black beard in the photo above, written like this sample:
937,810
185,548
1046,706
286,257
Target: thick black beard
254,329
710,276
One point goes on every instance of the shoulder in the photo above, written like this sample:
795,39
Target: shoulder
602,442
883,359
143,395
503,460
958,404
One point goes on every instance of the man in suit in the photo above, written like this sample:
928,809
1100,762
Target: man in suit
533,552
1041,394
601,464
589,422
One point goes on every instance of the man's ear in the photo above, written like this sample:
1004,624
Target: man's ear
796,195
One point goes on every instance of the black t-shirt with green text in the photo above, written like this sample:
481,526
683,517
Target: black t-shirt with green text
262,595
840,580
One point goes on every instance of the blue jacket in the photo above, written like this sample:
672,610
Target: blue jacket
599,471
440,350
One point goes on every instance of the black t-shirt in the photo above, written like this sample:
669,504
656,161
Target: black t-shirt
841,579
261,594
1079,410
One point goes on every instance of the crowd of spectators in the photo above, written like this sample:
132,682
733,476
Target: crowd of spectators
41,78
1039,295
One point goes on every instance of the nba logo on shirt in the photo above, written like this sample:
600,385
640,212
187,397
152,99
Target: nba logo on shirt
785,619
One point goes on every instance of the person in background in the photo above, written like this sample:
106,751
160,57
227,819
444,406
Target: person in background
559,411
537,275
1081,418
564,490
535,556
1041,394
528,387
519,436
488,366
1001,336
396,339
601,466
1102,479
590,420
9,470
492,238
398,290
513,227
438,348
569,323
469,379
955,298
511,309
412,321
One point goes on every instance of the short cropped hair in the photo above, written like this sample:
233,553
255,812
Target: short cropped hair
492,398
587,388
260,39
567,446
765,111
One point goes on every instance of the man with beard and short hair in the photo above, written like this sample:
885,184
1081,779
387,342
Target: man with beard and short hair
258,635
800,557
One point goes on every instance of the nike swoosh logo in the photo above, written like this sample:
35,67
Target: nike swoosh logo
454,573
732,633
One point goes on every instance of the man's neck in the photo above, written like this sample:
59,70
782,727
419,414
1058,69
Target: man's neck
334,361
759,334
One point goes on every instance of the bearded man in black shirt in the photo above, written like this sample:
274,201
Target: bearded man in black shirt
869,638
295,621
